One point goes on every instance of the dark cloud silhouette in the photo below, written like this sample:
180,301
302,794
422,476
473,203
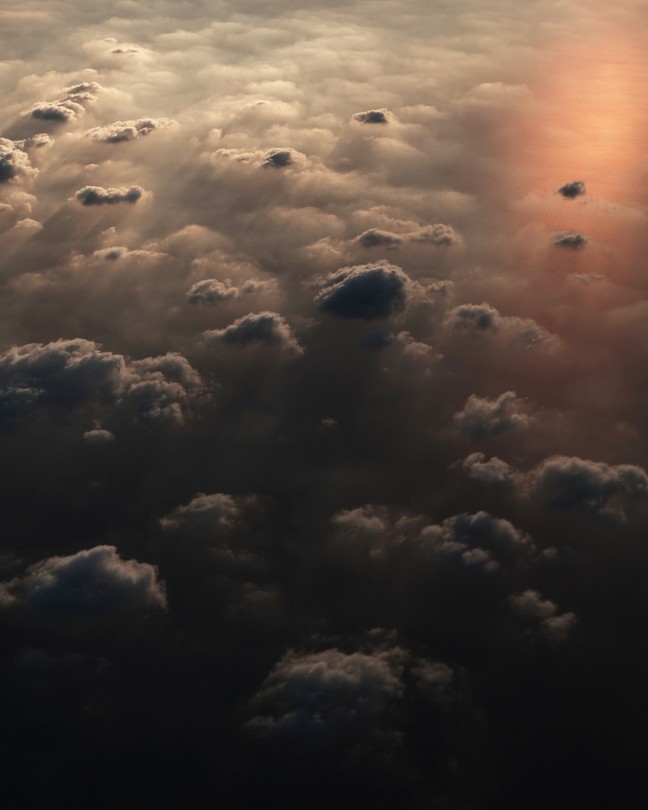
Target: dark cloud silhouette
93,581
96,195
14,161
381,116
365,291
572,190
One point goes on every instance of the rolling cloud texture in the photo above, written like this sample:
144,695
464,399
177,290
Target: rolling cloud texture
322,412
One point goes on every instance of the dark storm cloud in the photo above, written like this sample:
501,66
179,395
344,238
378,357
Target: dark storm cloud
365,291
97,195
569,240
473,320
572,190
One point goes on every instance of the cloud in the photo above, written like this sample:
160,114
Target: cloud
69,373
594,487
121,131
481,417
97,195
366,291
14,161
377,238
70,107
267,328
381,116
436,235
98,436
571,241
572,190
280,158
93,582
474,320
211,291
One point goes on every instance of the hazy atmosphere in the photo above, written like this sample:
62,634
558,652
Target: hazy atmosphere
323,395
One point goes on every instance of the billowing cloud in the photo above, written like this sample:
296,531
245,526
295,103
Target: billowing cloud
481,417
267,328
14,161
365,291
122,131
97,195
594,487
93,582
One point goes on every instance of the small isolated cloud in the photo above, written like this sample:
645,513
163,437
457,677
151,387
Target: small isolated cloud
14,161
572,190
98,436
570,240
121,131
365,291
90,583
481,417
97,195
532,606
204,513
381,116
267,328
280,158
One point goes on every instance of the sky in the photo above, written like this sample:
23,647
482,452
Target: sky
323,399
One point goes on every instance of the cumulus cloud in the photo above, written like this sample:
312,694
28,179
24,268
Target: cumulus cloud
381,116
481,417
267,328
121,131
563,482
70,107
280,158
97,195
366,291
14,162
93,582
571,241
473,320
72,372
572,190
